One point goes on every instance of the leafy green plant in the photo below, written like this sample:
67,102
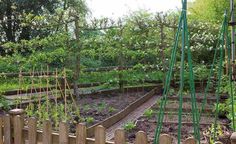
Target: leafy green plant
210,132
89,120
172,91
129,126
223,109
148,113
4,103
111,109
101,106
86,107
30,110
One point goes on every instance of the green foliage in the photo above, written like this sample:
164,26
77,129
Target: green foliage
56,113
222,107
111,109
4,103
89,120
129,126
148,113
210,132
101,106
208,10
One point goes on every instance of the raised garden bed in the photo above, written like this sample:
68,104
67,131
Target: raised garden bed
94,108
148,122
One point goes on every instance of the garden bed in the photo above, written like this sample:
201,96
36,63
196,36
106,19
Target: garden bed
92,108
148,122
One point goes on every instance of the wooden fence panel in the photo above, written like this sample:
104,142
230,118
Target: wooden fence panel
32,131
141,138
18,127
119,136
47,132
100,137
47,137
1,134
63,133
7,130
81,134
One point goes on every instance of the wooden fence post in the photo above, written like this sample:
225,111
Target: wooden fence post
119,136
165,139
141,138
47,132
190,141
15,112
7,130
233,138
81,134
1,134
32,132
18,127
100,137
63,133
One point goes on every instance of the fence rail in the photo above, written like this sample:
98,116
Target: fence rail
14,131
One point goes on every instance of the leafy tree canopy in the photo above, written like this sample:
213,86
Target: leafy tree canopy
208,10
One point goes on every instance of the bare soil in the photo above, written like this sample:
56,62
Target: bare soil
170,123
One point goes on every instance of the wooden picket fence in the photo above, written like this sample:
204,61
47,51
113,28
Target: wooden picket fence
13,131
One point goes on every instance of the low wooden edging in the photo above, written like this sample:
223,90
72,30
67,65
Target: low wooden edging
120,115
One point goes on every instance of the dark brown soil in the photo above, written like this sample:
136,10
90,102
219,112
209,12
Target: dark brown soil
170,124
103,106
96,108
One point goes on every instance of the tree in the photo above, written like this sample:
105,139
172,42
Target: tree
14,15
208,10
77,10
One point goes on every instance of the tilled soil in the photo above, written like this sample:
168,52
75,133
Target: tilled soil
170,123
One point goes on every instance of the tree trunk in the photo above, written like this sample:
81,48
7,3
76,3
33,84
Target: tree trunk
9,24
77,66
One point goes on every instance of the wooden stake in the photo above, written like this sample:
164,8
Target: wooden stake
47,90
65,99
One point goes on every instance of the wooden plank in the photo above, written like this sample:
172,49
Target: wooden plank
18,127
47,132
81,134
7,130
63,133
32,131
141,138
120,136
165,139
100,137
1,132
190,141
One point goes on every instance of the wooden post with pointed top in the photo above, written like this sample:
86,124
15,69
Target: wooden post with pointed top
233,138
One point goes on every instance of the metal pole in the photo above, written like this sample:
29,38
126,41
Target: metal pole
232,33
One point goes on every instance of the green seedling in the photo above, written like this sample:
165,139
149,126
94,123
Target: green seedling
129,126
89,120
148,113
